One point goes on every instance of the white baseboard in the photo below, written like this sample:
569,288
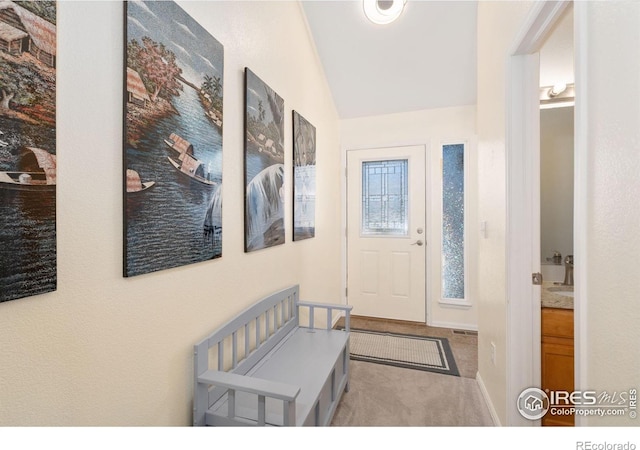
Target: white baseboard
487,400
455,326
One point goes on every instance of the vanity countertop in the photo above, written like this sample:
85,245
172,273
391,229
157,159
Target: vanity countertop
556,296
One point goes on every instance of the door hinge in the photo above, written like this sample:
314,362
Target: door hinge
536,278
346,292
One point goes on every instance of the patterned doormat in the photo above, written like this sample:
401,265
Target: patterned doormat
432,354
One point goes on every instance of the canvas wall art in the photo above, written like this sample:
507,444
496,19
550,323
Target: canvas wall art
264,165
304,175
27,148
173,139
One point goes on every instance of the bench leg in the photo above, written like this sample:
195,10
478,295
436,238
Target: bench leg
345,366
289,413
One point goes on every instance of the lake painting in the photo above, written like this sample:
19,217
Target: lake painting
172,173
28,260
304,178
264,165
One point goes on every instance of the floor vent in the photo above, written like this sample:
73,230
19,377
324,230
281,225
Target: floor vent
466,332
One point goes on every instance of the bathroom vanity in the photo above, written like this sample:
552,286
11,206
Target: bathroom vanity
557,346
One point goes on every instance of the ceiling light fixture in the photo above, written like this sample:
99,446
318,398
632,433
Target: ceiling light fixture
383,12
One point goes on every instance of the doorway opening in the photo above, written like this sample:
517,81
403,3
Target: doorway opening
523,203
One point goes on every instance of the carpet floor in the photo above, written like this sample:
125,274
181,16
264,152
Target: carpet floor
382,396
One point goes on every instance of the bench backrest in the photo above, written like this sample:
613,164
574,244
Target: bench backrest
242,342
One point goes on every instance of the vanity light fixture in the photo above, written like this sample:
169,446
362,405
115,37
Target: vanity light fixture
557,96
557,89
383,12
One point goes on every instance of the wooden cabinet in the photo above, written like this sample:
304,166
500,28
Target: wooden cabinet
557,358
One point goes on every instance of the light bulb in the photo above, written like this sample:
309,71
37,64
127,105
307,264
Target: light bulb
382,16
557,89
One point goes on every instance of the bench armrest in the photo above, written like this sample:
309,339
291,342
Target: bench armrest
258,386
329,307
262,388
326,306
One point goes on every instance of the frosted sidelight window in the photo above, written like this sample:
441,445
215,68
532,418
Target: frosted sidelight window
384,197
453,221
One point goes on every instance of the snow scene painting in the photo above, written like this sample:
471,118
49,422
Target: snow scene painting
304,178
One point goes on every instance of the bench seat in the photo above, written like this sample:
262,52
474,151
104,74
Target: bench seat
263,368
319,355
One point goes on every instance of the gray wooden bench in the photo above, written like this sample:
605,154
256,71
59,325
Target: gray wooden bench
264,368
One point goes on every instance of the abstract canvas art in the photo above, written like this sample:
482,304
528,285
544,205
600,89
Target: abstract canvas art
304,178
172,174
27,148
264,165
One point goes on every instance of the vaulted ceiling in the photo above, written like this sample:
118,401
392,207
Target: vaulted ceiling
426,59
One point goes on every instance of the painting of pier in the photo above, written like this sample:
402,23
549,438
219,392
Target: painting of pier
172,174
28,259
264,165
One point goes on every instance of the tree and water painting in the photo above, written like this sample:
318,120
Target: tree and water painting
304,174
264,165
173,139
27,148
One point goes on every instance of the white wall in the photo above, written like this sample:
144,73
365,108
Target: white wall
105,350
556,54
609,318
498,23
430,128
556,182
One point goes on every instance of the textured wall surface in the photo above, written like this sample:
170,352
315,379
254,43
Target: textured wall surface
611,315
498,23
104,350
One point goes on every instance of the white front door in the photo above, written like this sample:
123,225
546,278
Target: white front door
386,235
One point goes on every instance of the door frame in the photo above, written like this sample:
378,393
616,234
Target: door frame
428,226
523,198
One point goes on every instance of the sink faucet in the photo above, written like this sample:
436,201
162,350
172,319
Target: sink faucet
568,271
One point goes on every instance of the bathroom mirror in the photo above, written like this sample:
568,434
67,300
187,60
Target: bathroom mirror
556,183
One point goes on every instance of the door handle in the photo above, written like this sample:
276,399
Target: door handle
419,243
